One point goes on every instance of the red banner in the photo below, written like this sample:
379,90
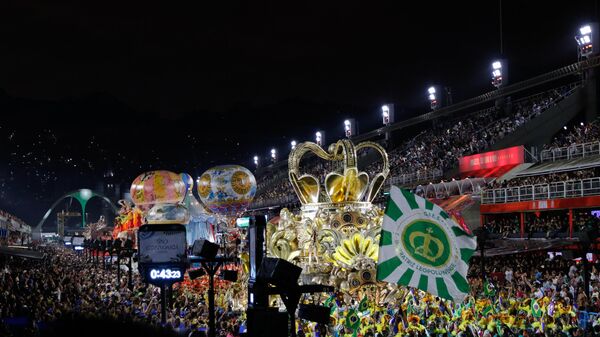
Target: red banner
489,160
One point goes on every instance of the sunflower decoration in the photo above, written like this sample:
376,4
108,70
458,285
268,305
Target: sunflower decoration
353,249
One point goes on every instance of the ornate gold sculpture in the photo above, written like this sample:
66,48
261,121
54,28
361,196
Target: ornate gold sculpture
335,236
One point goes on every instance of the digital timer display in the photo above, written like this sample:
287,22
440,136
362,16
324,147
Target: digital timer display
165,274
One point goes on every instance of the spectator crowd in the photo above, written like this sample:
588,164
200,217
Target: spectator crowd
536,293
426,156
550,223
35,293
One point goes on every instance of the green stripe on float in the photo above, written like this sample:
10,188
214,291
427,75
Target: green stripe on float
460,282
459,231
423,282
444,215
392,210
406,277
410,199
386,238
466,253
428,205
442,289
387,267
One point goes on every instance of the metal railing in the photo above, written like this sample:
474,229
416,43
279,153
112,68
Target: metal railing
411,178
557,190
571,152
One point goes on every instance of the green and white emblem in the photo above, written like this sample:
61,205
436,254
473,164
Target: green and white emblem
422,247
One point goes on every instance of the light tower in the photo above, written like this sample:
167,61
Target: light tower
387,114
293,144
273,155
256,161
433,99
586,40
320,138
350,127
497,73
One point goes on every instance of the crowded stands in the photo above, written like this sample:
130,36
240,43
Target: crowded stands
425,156
36,293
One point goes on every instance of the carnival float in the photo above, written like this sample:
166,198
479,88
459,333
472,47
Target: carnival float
335,235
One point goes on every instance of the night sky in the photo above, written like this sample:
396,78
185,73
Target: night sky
133,87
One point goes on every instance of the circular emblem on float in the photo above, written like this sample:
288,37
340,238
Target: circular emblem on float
426,242
240,182
204,185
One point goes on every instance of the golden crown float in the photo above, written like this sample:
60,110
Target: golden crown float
335,236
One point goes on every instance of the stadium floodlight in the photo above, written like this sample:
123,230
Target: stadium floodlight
497,74
432,98
319,138
256,161
348,128
585,41
293,144
273,155
387,112
585,30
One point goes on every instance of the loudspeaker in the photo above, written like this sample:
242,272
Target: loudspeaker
314,313
205,249
195,273
279,272
229,275
267,322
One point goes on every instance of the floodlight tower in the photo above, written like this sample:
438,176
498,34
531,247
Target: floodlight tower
273,155
256,161
350,127
320,138
433,98
293,144
387,114
587,39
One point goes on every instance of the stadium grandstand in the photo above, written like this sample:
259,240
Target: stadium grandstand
521,160
13,230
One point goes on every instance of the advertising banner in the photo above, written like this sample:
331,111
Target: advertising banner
489,160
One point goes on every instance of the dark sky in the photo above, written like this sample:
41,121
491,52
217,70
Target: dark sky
141,86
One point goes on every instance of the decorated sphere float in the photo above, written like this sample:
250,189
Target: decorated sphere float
161,193
227,189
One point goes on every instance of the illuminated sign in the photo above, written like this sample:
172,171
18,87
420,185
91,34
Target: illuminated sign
166,274
78,248
243,222
488,160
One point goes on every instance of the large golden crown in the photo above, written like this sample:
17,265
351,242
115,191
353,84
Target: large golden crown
349,185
